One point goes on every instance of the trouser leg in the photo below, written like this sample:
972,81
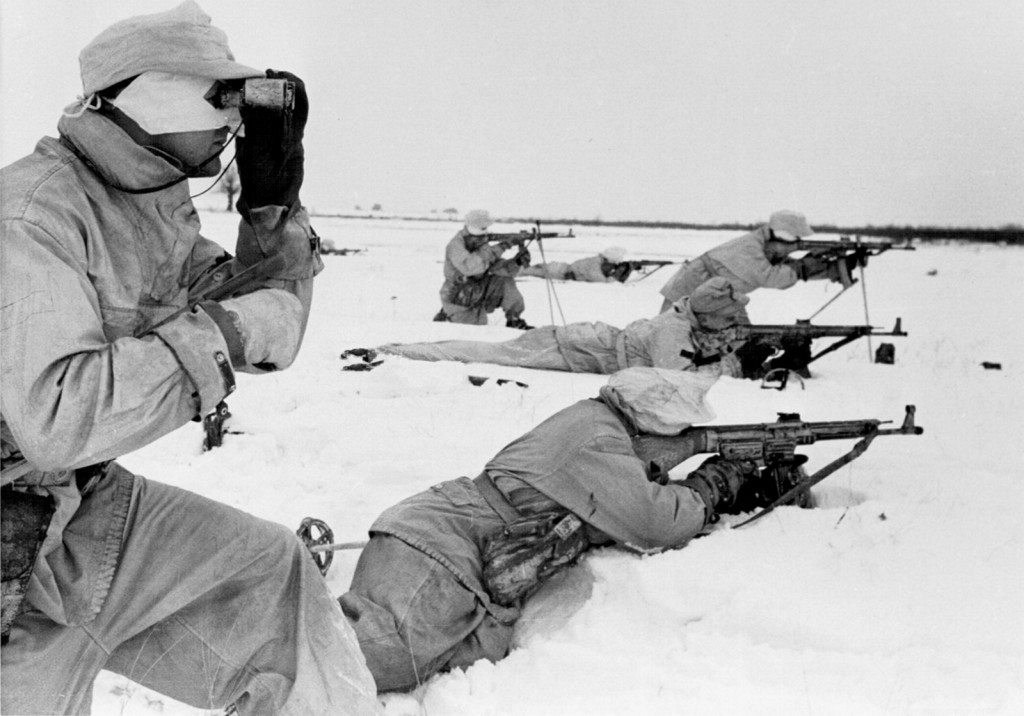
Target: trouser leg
512,301
48,668
474,316
211,606
412,616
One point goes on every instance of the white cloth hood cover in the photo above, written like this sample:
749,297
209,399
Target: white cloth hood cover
180,41
658,400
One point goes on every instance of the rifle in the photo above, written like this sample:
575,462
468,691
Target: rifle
770,448
847,253
793,340
845,246
340,252
623,269
524,237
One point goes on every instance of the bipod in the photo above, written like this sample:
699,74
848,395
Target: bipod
864,293
548,282
828,303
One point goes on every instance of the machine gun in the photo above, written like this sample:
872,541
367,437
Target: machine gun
847,254
845,246
644,267
794,342
770,449
524,237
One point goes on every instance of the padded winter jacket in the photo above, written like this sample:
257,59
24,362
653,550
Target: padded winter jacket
92,259
588,269
741,260
582,458
462,265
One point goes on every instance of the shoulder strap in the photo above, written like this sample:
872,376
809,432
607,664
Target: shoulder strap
493,497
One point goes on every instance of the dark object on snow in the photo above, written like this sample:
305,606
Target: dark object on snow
340,252
886,353
363,366
23,522
517,322
988,365
933,272
481,379
368,355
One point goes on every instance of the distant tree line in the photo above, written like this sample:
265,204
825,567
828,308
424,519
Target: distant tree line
1008,234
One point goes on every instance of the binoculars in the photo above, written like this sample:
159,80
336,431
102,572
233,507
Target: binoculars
261,92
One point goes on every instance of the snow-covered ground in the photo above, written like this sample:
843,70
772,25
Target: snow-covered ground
901,594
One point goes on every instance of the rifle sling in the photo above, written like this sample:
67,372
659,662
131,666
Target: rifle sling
855,452
834,346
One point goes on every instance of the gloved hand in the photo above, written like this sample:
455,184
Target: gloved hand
270,156
523,257
718,481
262,329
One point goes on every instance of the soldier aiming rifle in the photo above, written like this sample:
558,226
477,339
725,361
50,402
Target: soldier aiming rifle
608,266
477,280
837,259
447,571
644,267
768,452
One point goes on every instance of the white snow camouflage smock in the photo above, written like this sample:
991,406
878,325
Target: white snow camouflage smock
741,260
588,269
89,265
668,340
418,602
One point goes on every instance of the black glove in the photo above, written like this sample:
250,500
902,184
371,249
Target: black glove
841,269
270,156
857,258
718,481
523,257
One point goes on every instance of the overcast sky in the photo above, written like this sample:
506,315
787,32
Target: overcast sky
854,112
